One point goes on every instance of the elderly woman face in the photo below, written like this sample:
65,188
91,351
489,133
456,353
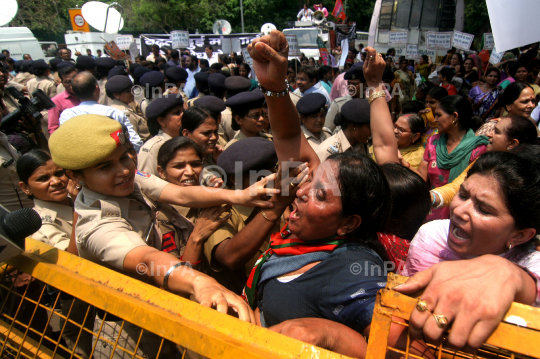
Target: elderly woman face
480,222
403,133
317,209
524,105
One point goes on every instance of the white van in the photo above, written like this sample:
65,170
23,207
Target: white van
19,41
81,41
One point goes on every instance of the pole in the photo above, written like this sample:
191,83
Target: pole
242,15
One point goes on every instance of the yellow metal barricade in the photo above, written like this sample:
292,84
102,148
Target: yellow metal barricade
33,285
508,341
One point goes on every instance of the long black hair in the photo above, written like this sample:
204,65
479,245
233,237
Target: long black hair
29,162
194,117
169,149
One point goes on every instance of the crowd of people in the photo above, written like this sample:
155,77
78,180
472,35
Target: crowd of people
266,185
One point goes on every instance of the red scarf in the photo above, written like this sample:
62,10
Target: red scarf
396,249
280,244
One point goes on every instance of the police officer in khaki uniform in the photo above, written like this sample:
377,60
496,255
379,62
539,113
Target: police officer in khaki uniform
164,116
41,80
201,84
216,85
153,84
214,106
118,89
355,83
117,223
233,85
178,77
86,63
235,246
354,133
312,109
138,72
247,117
103,66
24,74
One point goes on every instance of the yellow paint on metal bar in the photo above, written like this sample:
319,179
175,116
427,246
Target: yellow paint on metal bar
177,319
29,345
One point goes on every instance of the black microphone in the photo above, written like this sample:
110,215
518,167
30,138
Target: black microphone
14,228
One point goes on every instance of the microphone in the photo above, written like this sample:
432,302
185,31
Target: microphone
14,228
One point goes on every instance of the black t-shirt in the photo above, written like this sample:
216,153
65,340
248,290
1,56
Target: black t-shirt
341,288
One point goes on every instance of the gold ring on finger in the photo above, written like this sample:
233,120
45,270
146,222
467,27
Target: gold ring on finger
293,185
441,320
422,305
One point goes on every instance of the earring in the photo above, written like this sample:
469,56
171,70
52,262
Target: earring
454,123
81,183
342,234
508,148
28,193
509,247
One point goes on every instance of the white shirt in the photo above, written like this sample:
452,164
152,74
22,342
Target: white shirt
190,82
213,59
94,108
305,15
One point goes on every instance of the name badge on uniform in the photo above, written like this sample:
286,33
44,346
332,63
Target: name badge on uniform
333,149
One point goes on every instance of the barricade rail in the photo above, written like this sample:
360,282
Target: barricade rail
517,336
33,284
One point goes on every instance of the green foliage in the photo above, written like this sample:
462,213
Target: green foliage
476,21
51,16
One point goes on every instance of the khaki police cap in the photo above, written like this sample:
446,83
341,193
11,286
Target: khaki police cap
84,141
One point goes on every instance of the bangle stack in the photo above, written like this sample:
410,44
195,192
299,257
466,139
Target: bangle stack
437,195
376,95
276,94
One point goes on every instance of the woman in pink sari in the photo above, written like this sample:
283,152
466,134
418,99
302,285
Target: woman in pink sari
496,211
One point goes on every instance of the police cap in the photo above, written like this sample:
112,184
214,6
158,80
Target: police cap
255,153
105,62
54,63
140,71
217,81
356,111
118,84
152,79
65,64
86,62
311,104
117,71
161,105
176,74
201,77
40,65
212,103
246,100
237,84
84,141
354,73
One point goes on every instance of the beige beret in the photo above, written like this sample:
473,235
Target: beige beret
84,141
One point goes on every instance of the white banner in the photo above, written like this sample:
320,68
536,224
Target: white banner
398,37
489,42
438,40
512,22
412,50
461,40
179,39
247,57
293,45
229,45
495,57
123,41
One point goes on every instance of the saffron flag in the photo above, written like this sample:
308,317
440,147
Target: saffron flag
339,11
323,51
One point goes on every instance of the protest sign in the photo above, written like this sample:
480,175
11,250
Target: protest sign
461,40
179,39
293,45
489,41
123,41
398,37
438,40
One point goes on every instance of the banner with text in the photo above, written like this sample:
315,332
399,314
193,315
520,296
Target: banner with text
293,45
179,39
123,41
461,40
412,51
247,58
398,37
438,40
197,42
489,41
495,57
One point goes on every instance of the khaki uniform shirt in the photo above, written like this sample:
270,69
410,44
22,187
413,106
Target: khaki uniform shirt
333,110
338,143
17,85
110,227
10,192
147,159
225,130
232,280
190,102
240,136
44,84
10,102
144,104
137,121
23,78
314,142
181,92
103,98
294,98
209,171
57,222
